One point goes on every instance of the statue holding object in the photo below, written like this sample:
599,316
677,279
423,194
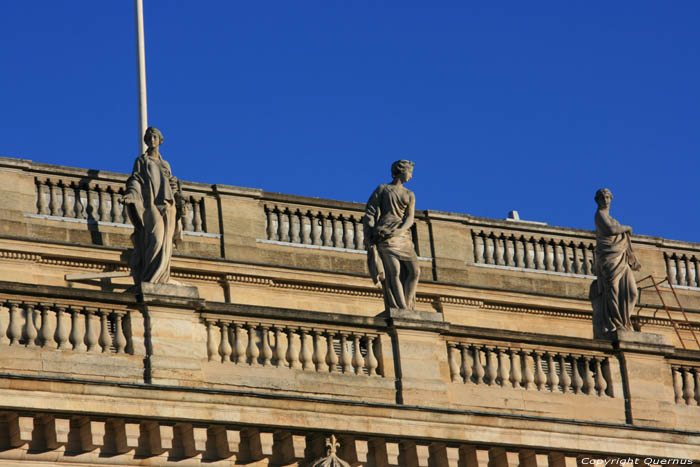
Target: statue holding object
391,256
614,292
155,206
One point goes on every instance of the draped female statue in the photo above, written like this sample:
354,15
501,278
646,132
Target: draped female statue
614,293
391,256
155,206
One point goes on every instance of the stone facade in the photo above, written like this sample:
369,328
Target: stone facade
287,344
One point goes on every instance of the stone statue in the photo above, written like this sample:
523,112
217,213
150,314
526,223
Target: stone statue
614,293
391,257
155,205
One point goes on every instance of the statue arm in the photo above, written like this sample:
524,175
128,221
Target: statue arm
369,220
409,216
609,226
134,184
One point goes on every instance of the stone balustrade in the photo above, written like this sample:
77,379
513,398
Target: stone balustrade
529,369
97,200
535,252
686,384
44,437
683,268
309,225
323,350
64,327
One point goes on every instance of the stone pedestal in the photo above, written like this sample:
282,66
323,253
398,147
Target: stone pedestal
170,290
402,313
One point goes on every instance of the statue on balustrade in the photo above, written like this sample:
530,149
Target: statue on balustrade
155,206
614,293
391,256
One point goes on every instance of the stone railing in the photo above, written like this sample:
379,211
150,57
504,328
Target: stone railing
530,369
98,201
683,268
309,225
64,327
536,252
686,384
272,344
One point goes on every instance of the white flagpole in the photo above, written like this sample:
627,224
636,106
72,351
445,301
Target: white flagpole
141,52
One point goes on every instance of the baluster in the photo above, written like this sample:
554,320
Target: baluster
78,204
503,370
53,198
528,376
280,351
693,272
678,269
66,206
677,384
92,333
478,247
573,261
345,359
47,329
549,255
125,211
212,348
600,384
697,386
306,355
682,270
331,357
452,361
266,352
688,389
688,270
359,235
292,350
587,261
114,213
319,354
490,249
371,362
577,380
295,227
327,225
197,222
4,323
467,363
252,353
530,253
501,250
357,360
120,341
42,207
565,378
491,369
348,231
560,257
519,246
77,334
305,229
62,325
339,230
103,210
271,224
30,331
90,204
515,368
479,371
239,348
316,228
509,243
105,339
283,224
14,332
540,378
540,260
588,383
225,348
552,377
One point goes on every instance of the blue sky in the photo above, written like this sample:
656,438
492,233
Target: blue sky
502,105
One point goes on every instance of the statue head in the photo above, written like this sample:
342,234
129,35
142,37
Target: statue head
402,169
603,197
151,131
